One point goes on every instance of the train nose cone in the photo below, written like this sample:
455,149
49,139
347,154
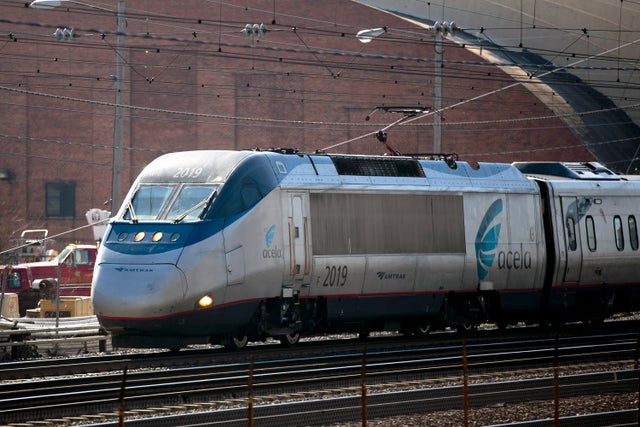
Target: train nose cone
137,291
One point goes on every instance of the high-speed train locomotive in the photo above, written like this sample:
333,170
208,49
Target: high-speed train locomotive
233,246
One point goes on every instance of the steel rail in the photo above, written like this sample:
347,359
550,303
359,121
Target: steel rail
382,365
442,344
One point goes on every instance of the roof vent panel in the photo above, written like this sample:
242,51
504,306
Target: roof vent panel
572,170
377,166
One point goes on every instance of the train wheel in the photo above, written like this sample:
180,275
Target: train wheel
236,341
289,339
416,330
423,329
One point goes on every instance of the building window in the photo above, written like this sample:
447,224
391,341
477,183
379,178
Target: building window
60,199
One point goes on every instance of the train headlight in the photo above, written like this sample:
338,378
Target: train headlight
205,301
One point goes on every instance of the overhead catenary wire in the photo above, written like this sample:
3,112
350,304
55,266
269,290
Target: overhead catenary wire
288,121
462,76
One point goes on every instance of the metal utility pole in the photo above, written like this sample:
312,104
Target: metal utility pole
437,95
440,29
117,125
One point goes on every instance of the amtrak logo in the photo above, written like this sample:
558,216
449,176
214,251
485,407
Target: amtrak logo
382,275
487,239
268,238
133,270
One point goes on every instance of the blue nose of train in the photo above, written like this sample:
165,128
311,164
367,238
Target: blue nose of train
136,274
131,291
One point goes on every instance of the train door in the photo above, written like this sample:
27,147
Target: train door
573,244
235,266
298,228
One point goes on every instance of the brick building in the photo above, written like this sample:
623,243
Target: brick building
193,81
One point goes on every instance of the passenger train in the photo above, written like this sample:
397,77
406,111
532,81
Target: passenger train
236,246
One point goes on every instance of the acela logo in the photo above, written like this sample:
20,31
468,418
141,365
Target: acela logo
268,237
270,252
487,239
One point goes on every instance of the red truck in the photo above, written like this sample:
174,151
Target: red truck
33,281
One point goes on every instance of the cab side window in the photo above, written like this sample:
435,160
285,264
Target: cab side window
250,193
14,281
83,258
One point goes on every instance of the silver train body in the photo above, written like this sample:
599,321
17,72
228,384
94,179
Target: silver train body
230,246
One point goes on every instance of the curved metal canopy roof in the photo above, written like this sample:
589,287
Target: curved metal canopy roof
587,53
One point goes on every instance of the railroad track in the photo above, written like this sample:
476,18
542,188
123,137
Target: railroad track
440,342
171,383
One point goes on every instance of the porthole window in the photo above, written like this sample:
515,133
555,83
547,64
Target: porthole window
571,234
591,233
633,232
618,232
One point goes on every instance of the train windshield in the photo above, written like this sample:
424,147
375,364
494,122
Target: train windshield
175,203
